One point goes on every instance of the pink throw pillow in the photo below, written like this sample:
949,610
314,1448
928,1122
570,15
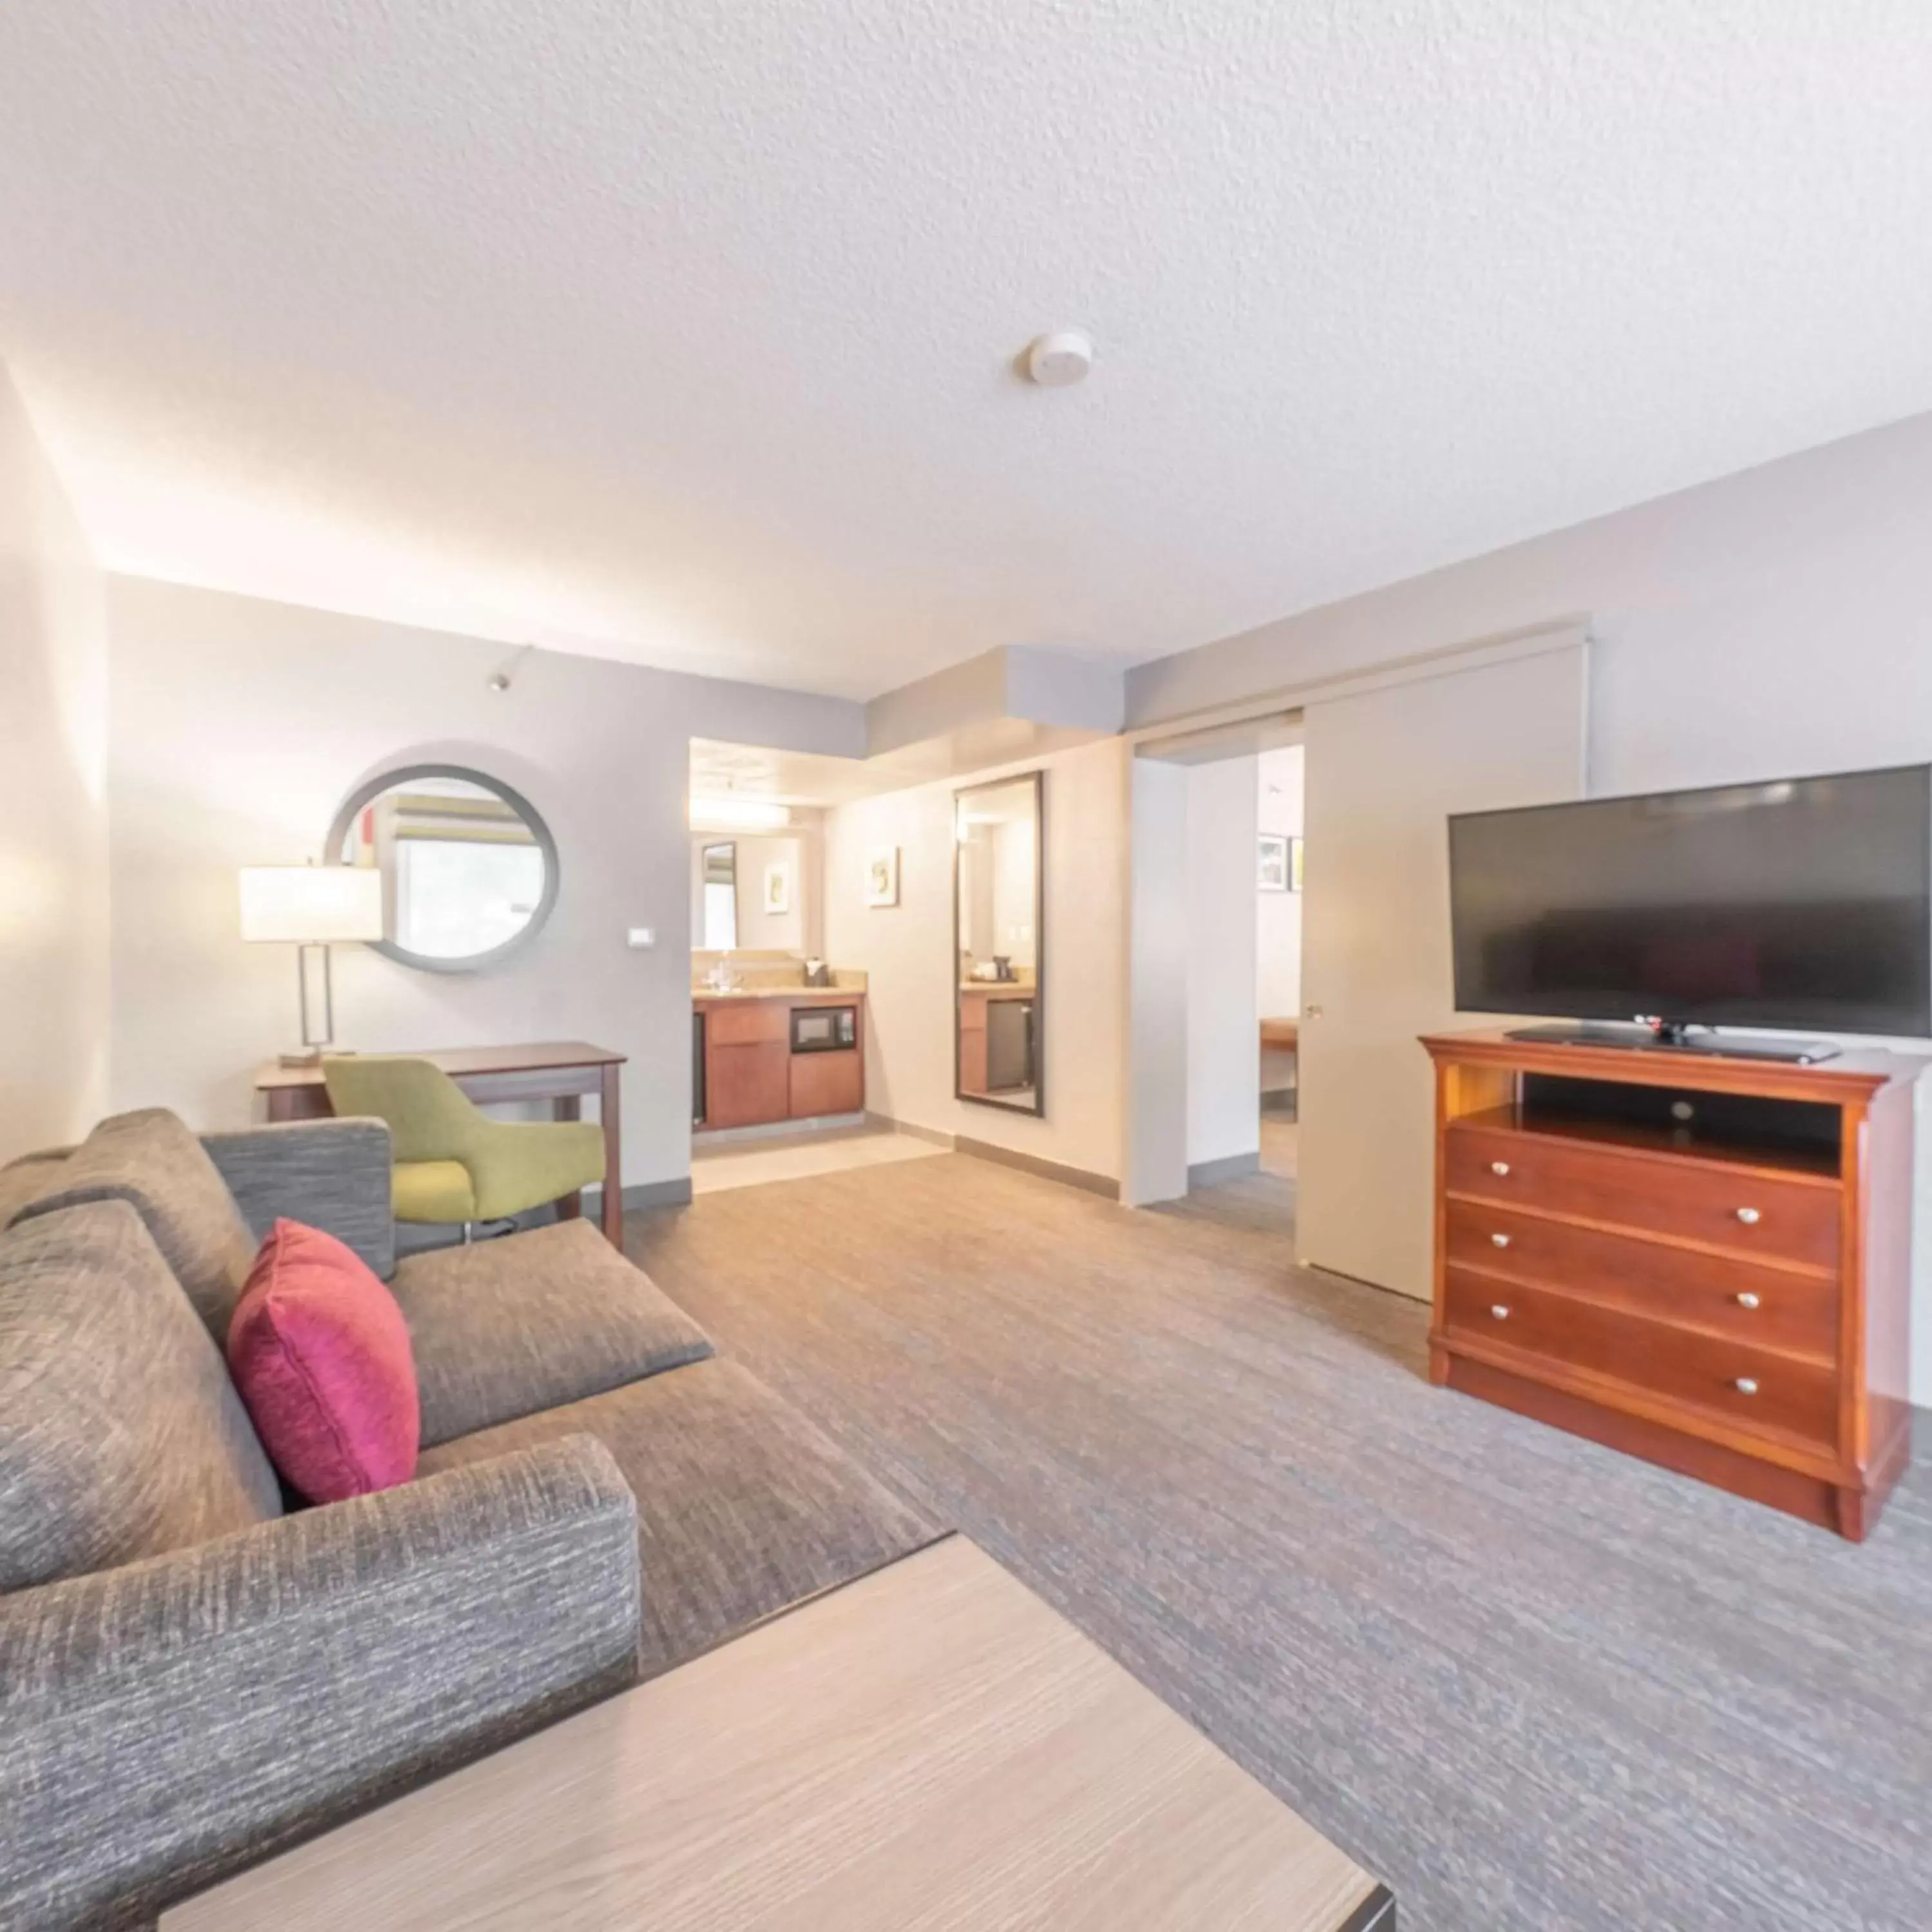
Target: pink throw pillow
321,1354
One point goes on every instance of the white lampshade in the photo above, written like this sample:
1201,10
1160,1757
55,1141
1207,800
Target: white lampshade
311,905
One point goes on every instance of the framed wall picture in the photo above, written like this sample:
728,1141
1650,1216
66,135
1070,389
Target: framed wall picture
882,876
1271,872
777,889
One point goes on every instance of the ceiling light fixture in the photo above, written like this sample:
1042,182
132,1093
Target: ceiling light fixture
740,815
1056,360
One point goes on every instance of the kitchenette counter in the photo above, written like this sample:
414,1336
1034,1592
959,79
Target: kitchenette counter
766,1054
798,996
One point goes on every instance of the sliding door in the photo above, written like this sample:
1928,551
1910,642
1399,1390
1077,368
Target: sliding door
1384,769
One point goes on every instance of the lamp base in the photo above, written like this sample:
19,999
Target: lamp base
311,1056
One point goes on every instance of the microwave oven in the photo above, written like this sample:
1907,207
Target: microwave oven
824,1029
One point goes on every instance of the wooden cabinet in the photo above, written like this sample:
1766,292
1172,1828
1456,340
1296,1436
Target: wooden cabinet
745,1086
752,1078
827,1083
1702,1260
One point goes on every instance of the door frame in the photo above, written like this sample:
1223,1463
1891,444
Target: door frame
1154,1165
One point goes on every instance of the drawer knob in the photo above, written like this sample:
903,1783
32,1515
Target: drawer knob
1745,1385
1500,1312
1746,1300
1500,1240
1499,1167
1748,1215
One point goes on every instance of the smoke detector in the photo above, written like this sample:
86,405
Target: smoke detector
1056,360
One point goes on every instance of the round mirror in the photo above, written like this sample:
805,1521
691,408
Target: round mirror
468,868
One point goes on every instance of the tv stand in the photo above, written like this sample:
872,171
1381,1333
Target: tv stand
1699,1258
1677,1037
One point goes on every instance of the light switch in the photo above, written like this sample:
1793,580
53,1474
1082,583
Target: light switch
640,938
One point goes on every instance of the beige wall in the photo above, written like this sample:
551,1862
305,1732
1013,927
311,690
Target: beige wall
54,1019
239,725
908,950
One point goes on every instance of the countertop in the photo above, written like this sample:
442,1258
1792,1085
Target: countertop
798,996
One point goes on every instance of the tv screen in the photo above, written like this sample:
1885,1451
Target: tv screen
1806,903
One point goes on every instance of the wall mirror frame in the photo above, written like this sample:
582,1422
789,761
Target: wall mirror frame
999,943
474,792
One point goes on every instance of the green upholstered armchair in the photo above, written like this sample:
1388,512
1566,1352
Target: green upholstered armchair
453,1162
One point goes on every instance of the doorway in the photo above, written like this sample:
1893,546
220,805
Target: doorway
1389,753
1280,775
1227,885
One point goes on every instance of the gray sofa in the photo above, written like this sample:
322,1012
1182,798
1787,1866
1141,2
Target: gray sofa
192,1672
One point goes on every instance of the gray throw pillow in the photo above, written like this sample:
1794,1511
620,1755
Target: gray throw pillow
121,1434
152,1160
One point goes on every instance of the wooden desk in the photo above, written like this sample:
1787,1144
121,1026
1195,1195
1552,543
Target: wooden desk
1281,1036
561,1072
930,1746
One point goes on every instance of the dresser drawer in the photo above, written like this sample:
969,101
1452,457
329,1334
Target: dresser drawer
1774,1308
1743,1210
1750,1386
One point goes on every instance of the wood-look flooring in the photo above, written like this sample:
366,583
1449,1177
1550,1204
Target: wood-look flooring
1531,1684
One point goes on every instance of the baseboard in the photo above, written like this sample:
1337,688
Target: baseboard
918,1133
1048,1170
772,1130
643,1194
1229,1167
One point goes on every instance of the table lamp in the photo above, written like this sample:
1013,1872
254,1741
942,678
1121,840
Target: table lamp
311,907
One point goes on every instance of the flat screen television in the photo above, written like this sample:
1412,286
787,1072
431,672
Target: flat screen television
1801,904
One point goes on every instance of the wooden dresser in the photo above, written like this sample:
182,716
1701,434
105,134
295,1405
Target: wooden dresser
1700,1260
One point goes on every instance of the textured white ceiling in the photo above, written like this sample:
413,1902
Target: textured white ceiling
683,331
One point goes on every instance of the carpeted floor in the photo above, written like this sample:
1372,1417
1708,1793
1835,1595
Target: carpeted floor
1528,1682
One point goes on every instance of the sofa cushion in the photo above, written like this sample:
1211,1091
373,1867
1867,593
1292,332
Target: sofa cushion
743,1507
121,1436
505,1328
320,1352
150,1159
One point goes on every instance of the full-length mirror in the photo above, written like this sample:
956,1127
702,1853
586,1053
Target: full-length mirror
469,871
998,896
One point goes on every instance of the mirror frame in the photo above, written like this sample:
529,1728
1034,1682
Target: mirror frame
1037,1110
368,793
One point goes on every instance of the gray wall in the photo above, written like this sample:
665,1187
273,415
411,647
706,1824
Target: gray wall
53,851
238,726
1777,622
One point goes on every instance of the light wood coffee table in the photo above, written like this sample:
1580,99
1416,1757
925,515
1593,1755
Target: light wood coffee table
929,1747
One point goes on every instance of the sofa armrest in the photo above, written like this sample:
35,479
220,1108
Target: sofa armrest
334,1174
163,1723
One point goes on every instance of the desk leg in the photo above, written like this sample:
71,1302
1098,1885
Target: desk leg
613,1159
569,1107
